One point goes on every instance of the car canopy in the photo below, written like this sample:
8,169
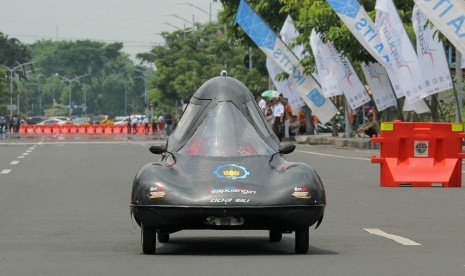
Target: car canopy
223,119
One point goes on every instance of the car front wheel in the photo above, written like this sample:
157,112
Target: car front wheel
301,240
148,239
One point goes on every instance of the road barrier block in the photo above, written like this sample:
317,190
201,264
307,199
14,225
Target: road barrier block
82,129
108,129
420,154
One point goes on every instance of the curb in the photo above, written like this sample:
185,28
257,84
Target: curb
362,143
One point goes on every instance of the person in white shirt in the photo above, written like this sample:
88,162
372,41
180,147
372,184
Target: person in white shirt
261,103
278,114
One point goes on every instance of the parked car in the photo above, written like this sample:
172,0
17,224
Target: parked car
50,122
35,119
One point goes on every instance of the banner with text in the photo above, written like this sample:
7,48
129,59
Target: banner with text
286,87
431,55
378,82
362,27
336,73
404,60
449,17
262,35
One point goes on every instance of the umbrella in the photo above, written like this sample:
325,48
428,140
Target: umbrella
270,94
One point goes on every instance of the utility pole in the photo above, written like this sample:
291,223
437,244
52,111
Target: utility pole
11,83
70,81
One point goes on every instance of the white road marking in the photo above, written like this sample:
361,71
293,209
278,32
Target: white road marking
25,154
32,148
29,151
399,239
21,156
332,155
14,162
5,172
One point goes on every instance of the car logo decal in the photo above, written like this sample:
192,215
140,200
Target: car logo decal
231,171
301,192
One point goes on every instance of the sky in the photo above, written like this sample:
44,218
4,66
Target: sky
136,23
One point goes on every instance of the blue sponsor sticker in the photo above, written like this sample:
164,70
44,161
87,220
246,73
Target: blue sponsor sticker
315,97
231,171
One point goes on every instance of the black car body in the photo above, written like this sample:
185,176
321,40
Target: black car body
223,168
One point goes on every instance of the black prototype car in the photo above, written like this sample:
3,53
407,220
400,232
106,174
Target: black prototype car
223,168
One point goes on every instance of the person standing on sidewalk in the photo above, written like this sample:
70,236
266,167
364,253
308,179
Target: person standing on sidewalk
278,114
168,122
287,117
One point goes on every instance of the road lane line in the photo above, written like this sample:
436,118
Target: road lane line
332,155
399,239
29,151
16,162
25,154
5,172
21,156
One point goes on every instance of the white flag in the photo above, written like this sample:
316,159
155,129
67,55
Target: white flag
419,107
378,81
262,35
284,87
288,35
431,55
449,17
336,74
404,59
329,71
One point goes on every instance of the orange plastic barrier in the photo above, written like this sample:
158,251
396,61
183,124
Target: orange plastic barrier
23,129
73,129
108,129
46,129
98,129
420,154
82,129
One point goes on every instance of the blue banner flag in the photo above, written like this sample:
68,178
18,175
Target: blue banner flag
307,87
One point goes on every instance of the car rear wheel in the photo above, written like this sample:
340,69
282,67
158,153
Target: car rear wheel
163,237
275,236
301,240
148,239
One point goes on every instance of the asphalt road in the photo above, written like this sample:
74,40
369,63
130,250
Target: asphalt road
64,210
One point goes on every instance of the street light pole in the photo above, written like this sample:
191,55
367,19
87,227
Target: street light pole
200,9
70,81
11,82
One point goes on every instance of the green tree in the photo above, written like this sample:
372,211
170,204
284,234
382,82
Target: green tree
189,58
12,53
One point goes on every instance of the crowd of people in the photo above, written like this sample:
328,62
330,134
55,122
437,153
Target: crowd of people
280,117
161,125
285,124
10,124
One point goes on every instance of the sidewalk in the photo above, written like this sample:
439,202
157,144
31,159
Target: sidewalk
327,139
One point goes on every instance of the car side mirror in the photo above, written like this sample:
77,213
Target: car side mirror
286,148
162,150
157,149
283,149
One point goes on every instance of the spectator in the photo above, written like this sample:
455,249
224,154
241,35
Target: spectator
294,126
2,124
261,103
168,122
371,127
145,121
129,124
134,122
287,117
278,115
